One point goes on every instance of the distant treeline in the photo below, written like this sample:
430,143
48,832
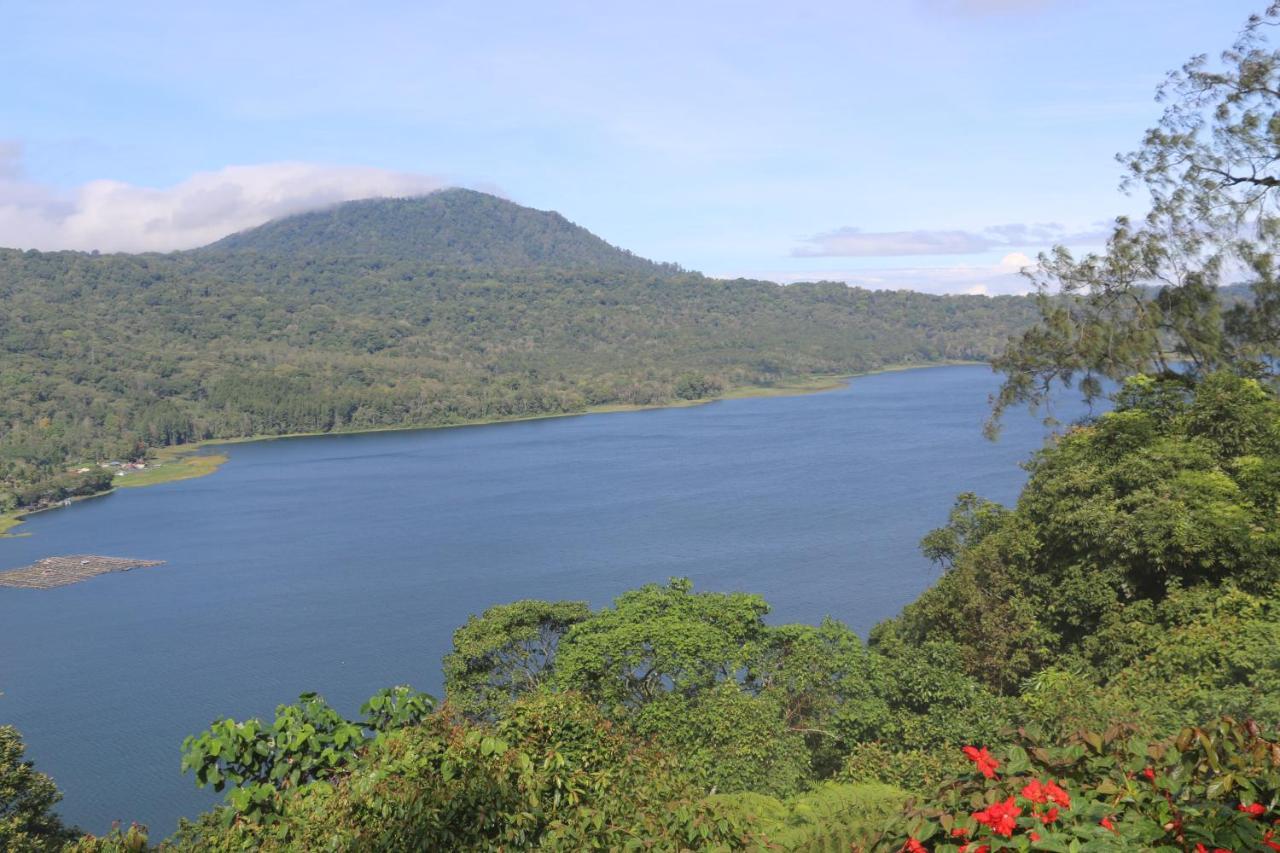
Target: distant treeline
106,356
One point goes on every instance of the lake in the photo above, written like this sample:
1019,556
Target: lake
342,564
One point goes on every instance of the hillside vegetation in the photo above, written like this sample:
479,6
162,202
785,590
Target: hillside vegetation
452,308
450,228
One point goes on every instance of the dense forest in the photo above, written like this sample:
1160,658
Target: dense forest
451,228
381,314
1098,668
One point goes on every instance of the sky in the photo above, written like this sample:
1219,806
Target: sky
935,145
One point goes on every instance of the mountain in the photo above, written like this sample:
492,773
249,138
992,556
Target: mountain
448,228
443,309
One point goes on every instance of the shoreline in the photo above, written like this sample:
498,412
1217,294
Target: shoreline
184,461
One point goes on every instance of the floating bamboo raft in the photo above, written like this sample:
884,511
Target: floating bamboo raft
61,571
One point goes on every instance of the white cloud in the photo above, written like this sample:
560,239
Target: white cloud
116,216
854,243
1002,278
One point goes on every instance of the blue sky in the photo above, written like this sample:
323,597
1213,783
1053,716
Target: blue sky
929,144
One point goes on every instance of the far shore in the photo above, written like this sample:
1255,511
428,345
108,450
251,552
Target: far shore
184,462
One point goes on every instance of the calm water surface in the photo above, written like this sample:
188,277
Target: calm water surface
343,563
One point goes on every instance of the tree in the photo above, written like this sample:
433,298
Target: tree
1168,491
553,774
1152,302
694,386
307,742
735,740
506,651
971,520
27,798
660,639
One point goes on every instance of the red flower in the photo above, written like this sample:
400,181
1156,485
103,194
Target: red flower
1001,817
959,832
1057,795
1266,839
1050,816
984,760
1253,809
1035,792
964,848
913,846
1106,823
1149,774
1033,835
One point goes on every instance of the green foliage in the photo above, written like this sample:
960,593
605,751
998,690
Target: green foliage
693,386
1151,302
307,742
554,774
505,652
829,688
732,739
59,488
919,771
660,640
131,839
394,708
1107,791
971,520
1172,490
931,699
27,800
831,817
1221,658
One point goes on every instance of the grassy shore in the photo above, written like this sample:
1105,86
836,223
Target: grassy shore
183,463
172,466
171,463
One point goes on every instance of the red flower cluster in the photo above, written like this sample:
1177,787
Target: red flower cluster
913,846
1001,817
985,761
1046,792
1043,793
1253,809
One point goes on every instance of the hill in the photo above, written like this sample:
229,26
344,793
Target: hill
448,228
451,308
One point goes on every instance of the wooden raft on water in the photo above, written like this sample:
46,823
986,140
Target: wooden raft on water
61,571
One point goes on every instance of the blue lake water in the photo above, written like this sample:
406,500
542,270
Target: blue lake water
342,564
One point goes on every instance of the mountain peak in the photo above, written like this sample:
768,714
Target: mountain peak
453,227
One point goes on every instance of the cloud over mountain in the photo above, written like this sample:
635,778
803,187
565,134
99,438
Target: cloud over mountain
116,216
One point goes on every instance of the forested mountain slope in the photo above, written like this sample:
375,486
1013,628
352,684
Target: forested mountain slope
269,332
454,227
